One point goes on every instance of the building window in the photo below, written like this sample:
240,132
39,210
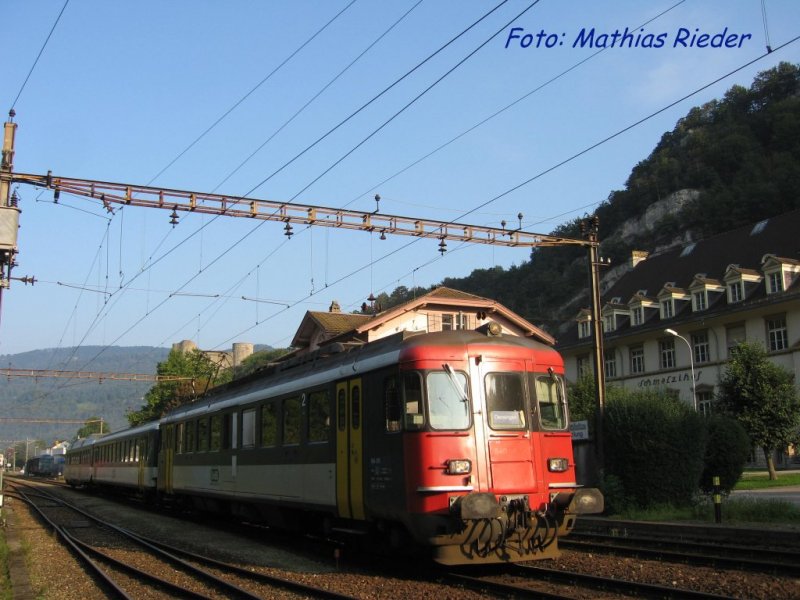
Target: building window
584,329
700,347
584,366
777,337
637,315
608,323
735,292
774,283
666,350
637,359
453,322
700,300
667,309
733,335
704,401
610,361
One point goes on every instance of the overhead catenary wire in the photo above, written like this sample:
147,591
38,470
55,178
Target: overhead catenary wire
203,134
540,174
374,98
225,252
38,56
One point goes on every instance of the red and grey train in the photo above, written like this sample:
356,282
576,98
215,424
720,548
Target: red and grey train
455,441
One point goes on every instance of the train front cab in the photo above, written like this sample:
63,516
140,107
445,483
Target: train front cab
488,468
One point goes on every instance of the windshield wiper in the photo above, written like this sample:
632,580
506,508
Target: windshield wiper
451,374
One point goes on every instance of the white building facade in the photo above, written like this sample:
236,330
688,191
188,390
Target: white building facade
710,295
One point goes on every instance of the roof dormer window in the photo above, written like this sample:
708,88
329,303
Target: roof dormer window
779,273
667,308
637,315
738,281
774,282
699,301
584,329
735,292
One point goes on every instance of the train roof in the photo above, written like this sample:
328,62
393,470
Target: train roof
344,360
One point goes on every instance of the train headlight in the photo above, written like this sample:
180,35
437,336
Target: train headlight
557,465
458,466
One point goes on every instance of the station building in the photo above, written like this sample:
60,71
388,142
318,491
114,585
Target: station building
711,295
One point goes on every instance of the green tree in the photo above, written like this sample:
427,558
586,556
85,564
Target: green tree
258,360
201,374
762,397
92,425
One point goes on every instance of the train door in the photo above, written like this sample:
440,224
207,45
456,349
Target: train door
165,459
349,449
509,449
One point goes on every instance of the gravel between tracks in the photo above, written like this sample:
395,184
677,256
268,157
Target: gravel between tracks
55,574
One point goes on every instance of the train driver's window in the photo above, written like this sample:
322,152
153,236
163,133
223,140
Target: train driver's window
412,400
391,402
448,407
249,428
550,398
505,400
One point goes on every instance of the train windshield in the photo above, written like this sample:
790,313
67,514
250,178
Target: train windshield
448,407
505,400
549,391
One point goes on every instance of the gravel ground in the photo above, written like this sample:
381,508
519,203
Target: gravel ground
56,575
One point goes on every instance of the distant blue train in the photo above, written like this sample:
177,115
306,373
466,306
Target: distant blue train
45,466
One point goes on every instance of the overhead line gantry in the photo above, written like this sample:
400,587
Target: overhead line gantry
290,213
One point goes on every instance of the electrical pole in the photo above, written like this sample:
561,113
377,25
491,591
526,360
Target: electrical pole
590,228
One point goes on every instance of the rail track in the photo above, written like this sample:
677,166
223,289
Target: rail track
760,560
127,565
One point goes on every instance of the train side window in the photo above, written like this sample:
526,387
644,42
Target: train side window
269,425
249,428
355,398
319,417
505,400
216,433
341,410
393,408
229,432
291,420
550,399
448,408
202,434
179,438
412,401
191,431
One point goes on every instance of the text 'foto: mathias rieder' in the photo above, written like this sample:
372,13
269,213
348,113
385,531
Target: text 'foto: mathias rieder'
592,38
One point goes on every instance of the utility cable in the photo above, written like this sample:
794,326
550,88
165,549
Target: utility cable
320,139
252,91
317,95
38,56
501,111
374,98
537,176
417,97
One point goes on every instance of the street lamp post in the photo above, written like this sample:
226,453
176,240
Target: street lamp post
674,333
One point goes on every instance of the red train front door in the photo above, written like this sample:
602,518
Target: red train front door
349,449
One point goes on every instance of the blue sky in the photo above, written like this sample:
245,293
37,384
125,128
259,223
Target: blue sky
123,88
